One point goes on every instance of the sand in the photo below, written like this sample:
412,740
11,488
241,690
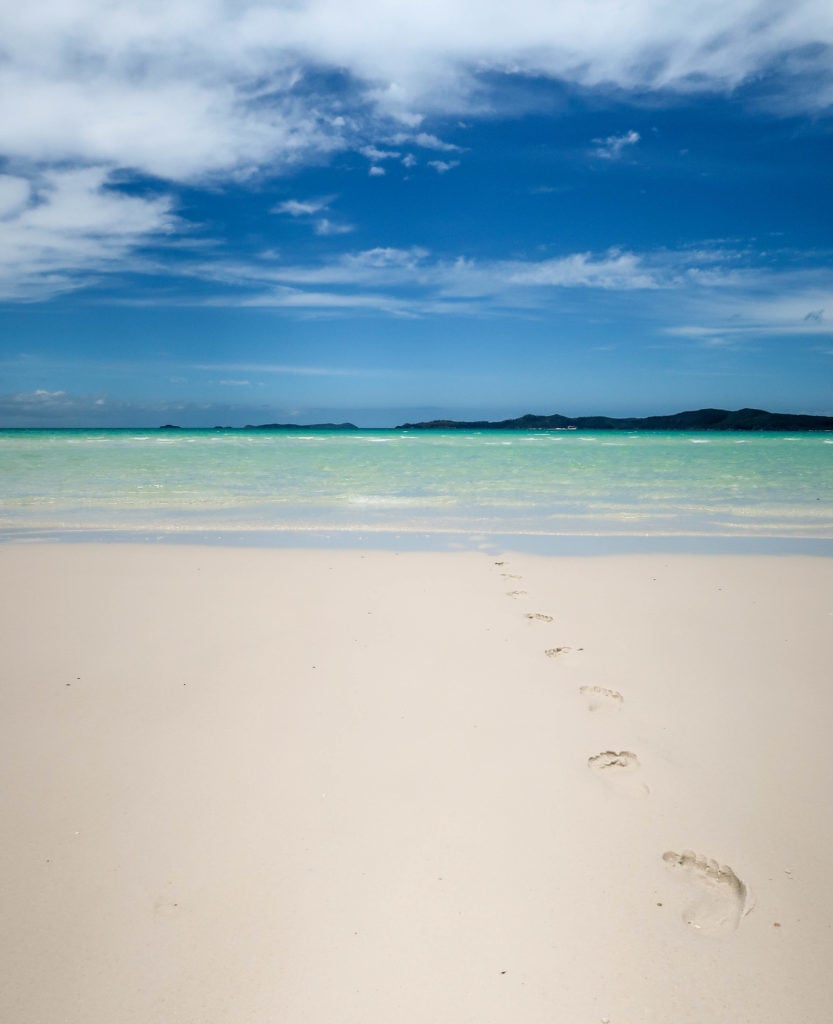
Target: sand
356,787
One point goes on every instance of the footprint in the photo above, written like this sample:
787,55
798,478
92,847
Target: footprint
598,697
621,769
538,617
721,900
610,759
555,652
511,576
516,593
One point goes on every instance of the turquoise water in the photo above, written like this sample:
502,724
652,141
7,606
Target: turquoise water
563,483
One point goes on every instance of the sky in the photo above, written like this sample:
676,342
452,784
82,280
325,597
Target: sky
220,212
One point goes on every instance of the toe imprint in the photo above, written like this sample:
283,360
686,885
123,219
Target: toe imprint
555,652
538,617
621,769
624,760
598,697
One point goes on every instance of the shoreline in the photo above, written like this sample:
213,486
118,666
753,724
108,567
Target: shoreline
437,541
298,784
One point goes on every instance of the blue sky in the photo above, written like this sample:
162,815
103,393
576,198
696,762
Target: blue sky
244,212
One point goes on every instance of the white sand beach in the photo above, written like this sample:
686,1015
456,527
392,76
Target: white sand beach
362,787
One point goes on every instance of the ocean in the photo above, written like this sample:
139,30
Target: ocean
455,487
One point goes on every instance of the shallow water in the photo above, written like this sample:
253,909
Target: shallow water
556,484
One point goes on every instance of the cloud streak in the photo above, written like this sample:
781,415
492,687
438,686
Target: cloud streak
303,207
281,368
733,303
414,270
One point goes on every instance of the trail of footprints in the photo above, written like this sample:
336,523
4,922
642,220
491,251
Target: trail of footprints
717,899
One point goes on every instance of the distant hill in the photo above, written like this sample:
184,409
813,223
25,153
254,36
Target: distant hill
698,419
301,426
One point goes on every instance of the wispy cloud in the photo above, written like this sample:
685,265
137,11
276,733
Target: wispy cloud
428,141
621,271
410,282
283,369
325,226
307,209
759,303
614,146
303,207
735,302
64,229
375,154
66,408
283,297
442,166
24,408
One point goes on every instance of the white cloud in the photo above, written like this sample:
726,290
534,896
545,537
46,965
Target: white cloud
755,304
206,91
424,140
740,302
71,228
376,172
432,142
620,271
175,128
387,256
375,154
189,90
41,395
401,279
441,166
303,207
62,408
26,408
382,267
308,208
324,226
296,298
613,146
14,194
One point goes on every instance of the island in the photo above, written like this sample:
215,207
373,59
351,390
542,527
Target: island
301,426
698,419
